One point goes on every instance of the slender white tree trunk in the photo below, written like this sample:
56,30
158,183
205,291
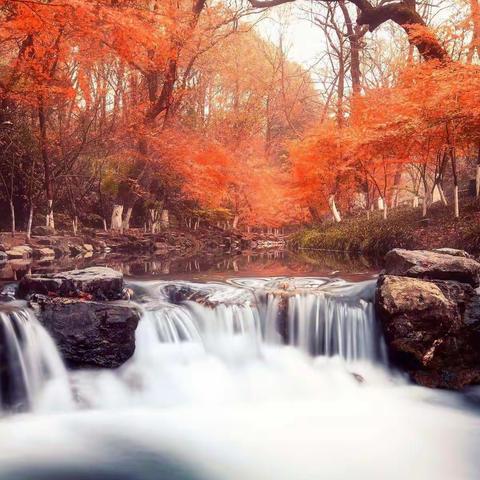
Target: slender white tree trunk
165,218
75,225
385,211
30,221
126,219
442,195
236,219
333,208
380,203
12,214
116,222
105,224
455,200
154,225
50,222
415,201
477,182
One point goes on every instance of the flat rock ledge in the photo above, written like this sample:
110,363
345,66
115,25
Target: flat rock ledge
96,283
429,309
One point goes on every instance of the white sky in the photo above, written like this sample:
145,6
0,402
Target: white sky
303,40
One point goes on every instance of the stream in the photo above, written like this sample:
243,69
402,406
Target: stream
261,377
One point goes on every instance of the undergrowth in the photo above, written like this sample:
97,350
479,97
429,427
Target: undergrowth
404,228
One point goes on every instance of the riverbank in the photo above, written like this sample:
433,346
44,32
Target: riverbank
133,253
404,228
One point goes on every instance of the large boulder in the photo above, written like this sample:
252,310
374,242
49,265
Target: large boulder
42,230
99,283
89,334
19,252
432,329
44,252
432,265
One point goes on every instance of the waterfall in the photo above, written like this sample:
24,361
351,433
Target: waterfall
32,375
322,317
324,325
261,378
188,326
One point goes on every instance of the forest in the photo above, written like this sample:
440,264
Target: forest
122,113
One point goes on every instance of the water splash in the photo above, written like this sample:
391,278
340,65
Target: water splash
32,375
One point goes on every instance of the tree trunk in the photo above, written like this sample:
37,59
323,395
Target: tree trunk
455,201
105,228
30,221
47,179
235,221
354,33
385,211
153,220
165,219
116,222
475,42
477,175
443,198
12,214
453,158
50,219
333,208
126,219
415,201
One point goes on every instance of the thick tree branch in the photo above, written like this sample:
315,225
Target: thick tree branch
268,3
403,13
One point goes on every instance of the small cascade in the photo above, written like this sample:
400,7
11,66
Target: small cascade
324,325
322,317
32,375
325,319
231,331
171,324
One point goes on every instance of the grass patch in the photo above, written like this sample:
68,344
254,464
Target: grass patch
404,228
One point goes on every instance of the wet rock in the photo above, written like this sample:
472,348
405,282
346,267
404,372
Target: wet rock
45,241
43,252
432,329
42,230
76,250
61,250
89,334
452,251
88,247
20,251
358,378
430,265
100,283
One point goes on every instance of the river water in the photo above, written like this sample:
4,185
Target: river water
262,377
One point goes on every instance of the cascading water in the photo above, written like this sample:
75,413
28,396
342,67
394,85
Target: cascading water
321,317
244,380
32,375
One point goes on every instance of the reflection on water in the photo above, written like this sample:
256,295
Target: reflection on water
212,267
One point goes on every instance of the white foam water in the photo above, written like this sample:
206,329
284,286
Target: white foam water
32,375
282,379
